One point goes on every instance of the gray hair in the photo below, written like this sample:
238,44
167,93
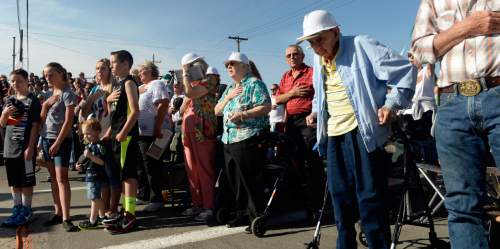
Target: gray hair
296,46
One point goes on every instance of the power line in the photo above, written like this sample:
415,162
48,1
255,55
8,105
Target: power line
276,25
238,40
65,48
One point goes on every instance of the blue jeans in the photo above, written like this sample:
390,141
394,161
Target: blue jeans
357,181
464,128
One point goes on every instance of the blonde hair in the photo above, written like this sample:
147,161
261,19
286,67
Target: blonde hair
150,66
107,63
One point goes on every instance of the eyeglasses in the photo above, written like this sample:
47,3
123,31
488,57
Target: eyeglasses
274,89
292,55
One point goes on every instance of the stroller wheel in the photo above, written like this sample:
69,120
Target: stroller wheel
222,215
259,226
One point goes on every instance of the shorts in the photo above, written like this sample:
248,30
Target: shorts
112,168
18,175
125,154
62,157
94,190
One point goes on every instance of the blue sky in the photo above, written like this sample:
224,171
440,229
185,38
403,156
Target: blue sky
76,33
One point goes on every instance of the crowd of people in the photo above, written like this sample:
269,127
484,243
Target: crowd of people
340,107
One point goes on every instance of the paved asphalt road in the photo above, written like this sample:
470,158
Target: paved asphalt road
166,228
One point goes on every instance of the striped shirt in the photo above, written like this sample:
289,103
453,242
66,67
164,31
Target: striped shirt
472,58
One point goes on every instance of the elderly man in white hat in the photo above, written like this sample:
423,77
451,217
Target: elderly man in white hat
351,109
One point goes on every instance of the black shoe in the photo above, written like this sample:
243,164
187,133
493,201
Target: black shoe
85,225
69,227
55,220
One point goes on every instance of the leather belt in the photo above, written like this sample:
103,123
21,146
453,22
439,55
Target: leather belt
471,87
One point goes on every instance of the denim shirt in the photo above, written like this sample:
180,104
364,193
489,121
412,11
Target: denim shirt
254,94
367,69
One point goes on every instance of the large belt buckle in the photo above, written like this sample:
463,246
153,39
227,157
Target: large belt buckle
469,88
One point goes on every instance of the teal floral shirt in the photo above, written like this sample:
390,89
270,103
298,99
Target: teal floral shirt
254,94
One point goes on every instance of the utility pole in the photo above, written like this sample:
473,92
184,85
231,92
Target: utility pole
13,53
154,62
238,40
21,49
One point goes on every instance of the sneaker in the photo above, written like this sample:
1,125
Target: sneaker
203,216
10,222
24,216
85,225
69,227
153,207
124,225
112,218
56,219
193,211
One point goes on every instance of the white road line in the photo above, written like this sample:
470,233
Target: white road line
50,190
180,239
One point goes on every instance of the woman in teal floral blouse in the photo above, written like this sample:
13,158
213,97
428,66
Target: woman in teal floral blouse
245,105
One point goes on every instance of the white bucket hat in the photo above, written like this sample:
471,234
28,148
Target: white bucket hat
239,57
190,58
212,70
315,22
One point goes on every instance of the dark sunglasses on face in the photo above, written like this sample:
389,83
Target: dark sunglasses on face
273,89
231,63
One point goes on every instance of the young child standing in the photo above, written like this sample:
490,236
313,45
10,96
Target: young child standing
95,173
20,118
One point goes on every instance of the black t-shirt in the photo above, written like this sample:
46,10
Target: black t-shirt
18,128
120,111
95,171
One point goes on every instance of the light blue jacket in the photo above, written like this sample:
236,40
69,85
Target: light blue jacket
367,69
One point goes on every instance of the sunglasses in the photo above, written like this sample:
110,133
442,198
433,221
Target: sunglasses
273,89
231,63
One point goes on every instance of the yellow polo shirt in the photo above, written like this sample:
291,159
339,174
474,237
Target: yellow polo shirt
341,114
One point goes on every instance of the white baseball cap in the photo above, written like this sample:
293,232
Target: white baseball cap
190,58
239,57
212,70
315,22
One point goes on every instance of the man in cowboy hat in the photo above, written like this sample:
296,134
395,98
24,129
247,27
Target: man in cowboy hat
352,107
